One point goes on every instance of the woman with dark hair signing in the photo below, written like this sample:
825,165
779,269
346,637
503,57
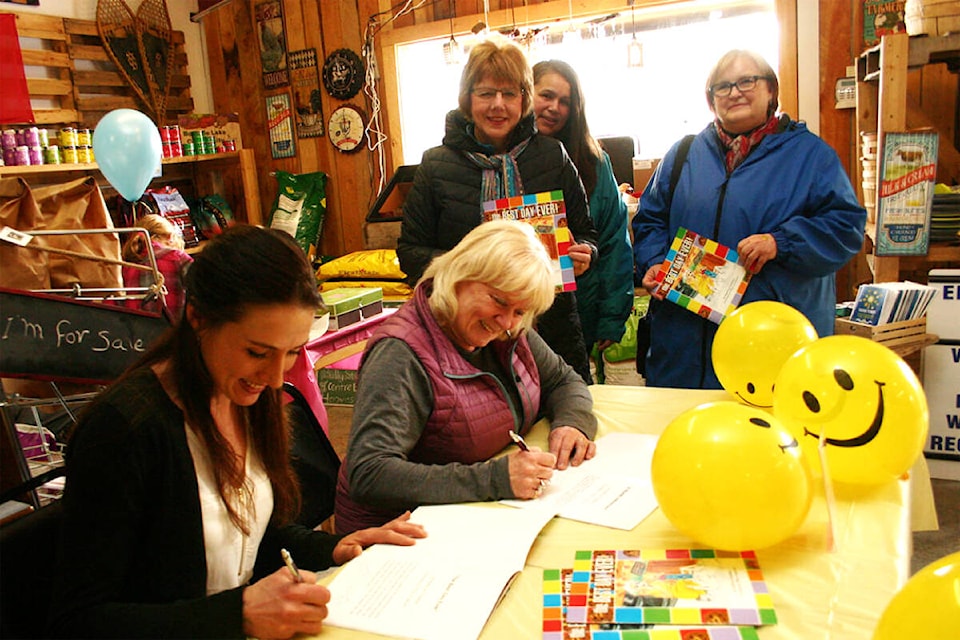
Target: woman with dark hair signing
445,380
180,492
491,150
762,183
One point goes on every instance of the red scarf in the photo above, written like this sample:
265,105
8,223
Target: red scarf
739,147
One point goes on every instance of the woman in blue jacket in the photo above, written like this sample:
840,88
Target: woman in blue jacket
760,182
605,292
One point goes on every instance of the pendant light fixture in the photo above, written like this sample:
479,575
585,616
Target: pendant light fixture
635,47
452,53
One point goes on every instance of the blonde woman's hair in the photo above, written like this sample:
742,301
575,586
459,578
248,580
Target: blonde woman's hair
161,230
504,254
503,61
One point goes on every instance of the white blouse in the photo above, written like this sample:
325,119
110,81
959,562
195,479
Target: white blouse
230,554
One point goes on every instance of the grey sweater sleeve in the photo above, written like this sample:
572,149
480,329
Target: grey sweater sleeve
394,400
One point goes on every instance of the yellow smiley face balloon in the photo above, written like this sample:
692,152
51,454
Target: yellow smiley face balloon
751,345
928,606
862,399
731,477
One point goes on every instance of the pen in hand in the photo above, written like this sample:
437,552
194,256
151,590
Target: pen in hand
517,438
288,560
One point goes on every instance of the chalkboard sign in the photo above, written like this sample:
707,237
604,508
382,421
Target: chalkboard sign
47,337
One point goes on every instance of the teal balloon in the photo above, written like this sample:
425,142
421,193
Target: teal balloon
127,147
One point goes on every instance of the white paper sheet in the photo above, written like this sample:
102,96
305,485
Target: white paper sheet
614,489
446,585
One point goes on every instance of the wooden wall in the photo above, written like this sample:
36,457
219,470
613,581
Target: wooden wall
327,25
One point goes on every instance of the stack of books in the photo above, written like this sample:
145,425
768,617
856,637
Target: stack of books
675,593
887,302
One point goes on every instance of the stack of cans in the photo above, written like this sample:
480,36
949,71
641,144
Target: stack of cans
24,146
170,138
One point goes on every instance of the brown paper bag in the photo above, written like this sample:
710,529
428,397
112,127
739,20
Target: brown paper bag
20,268
79,205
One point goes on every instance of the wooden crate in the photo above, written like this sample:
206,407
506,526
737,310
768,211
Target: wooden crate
932,17
71,79
903,338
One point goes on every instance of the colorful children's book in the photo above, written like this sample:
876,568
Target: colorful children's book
670,586
702,276
547,213
560,592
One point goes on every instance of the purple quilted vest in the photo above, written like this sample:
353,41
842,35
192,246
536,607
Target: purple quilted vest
471,416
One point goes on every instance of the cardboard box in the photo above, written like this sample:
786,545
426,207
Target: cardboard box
345,319
372,309
642,172
340,301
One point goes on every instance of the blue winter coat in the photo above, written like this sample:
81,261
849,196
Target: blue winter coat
791,186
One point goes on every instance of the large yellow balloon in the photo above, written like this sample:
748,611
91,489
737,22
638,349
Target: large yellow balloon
863,399
752,344
927,607
731,477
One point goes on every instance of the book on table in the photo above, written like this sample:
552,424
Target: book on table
680,592
547,213
447,584
702,276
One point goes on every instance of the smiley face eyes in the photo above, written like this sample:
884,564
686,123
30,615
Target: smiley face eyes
843,379
760,422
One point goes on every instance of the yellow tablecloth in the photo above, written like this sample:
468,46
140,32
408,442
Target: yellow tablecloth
818,593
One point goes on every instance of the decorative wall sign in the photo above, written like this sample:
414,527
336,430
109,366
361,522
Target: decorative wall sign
273,45
343,74
280,126
305,82
346,128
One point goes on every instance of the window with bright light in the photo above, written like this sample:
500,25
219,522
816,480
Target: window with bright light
656,103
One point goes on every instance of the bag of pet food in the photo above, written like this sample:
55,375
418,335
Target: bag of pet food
300,207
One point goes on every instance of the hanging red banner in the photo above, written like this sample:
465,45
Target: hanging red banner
14,99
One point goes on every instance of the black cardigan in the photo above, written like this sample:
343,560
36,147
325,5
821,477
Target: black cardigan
131,558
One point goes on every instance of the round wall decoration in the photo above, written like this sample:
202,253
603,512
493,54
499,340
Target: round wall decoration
345,128
343,74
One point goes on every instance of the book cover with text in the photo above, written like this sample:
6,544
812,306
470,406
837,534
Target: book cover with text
546,212
702,276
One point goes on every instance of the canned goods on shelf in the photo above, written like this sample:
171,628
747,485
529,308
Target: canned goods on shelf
44,137
31,137
229,145
84,137
36,154
10,156
69,154
22,155
51,155
84,153
68,137
188,148
8,139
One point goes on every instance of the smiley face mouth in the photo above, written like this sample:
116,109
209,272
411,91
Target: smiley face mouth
752,404
867,436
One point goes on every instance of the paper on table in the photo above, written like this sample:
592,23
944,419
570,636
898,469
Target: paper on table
446,585
613,489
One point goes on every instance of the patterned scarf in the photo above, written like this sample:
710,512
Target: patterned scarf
739,147
501,176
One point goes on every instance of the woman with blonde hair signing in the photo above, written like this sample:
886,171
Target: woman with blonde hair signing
491,150
445,380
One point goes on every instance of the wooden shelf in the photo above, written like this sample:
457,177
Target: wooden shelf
220,172
883,105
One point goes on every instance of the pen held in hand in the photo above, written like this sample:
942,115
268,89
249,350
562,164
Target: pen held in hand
518,439
288,560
